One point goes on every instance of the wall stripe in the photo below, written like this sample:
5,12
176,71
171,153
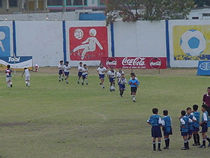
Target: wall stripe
167,44
14,39
112,40
64,41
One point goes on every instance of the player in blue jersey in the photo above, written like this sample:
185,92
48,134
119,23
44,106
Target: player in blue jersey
196,125
204,125
60,71
184,128
8,72
80,68
167,129
156,123
122,82
84,75
191,116
134,84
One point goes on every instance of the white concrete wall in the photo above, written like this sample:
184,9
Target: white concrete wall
140,39
41,39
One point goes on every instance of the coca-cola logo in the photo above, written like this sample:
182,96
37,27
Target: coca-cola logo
155,63
111,62
133,61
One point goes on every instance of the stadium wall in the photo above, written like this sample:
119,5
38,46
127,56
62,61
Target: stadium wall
50,41
140,39
42,40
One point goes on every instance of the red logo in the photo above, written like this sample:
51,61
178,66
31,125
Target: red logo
155,63
88,43
111,62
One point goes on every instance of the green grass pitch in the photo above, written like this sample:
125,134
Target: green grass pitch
55,120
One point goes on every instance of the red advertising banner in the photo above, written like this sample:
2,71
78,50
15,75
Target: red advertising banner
88,43
135,62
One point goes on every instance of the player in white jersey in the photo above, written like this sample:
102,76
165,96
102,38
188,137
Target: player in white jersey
85,75
66,71
60,71
101,72
112,75
80,68
119,73
8,72
122,82
26,72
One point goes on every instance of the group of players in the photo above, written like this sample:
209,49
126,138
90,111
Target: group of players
102,71
189,126
25,73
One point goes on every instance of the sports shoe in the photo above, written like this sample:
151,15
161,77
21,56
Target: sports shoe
202,146
184,148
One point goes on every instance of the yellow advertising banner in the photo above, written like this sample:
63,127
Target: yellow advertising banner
191,42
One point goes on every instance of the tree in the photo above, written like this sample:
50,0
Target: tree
202,3
133,10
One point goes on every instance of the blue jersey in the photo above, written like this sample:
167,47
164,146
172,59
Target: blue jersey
197,116
190,124
184,124
155,120
134,83
166,121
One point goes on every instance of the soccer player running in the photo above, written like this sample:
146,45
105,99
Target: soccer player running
134,84
61,71
111,75
101,72
122,82
66,71
85,75
80,69
27,76
8,72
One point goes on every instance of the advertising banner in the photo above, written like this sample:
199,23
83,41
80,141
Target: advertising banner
19,62
88,43
135,62
191,42
203,68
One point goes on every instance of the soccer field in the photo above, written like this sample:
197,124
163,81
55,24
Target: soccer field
55,120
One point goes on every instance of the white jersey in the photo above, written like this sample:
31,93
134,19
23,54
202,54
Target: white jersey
80,68
67,68
119,74
61,67
101,71
111,74
27,73
84,71
122,81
